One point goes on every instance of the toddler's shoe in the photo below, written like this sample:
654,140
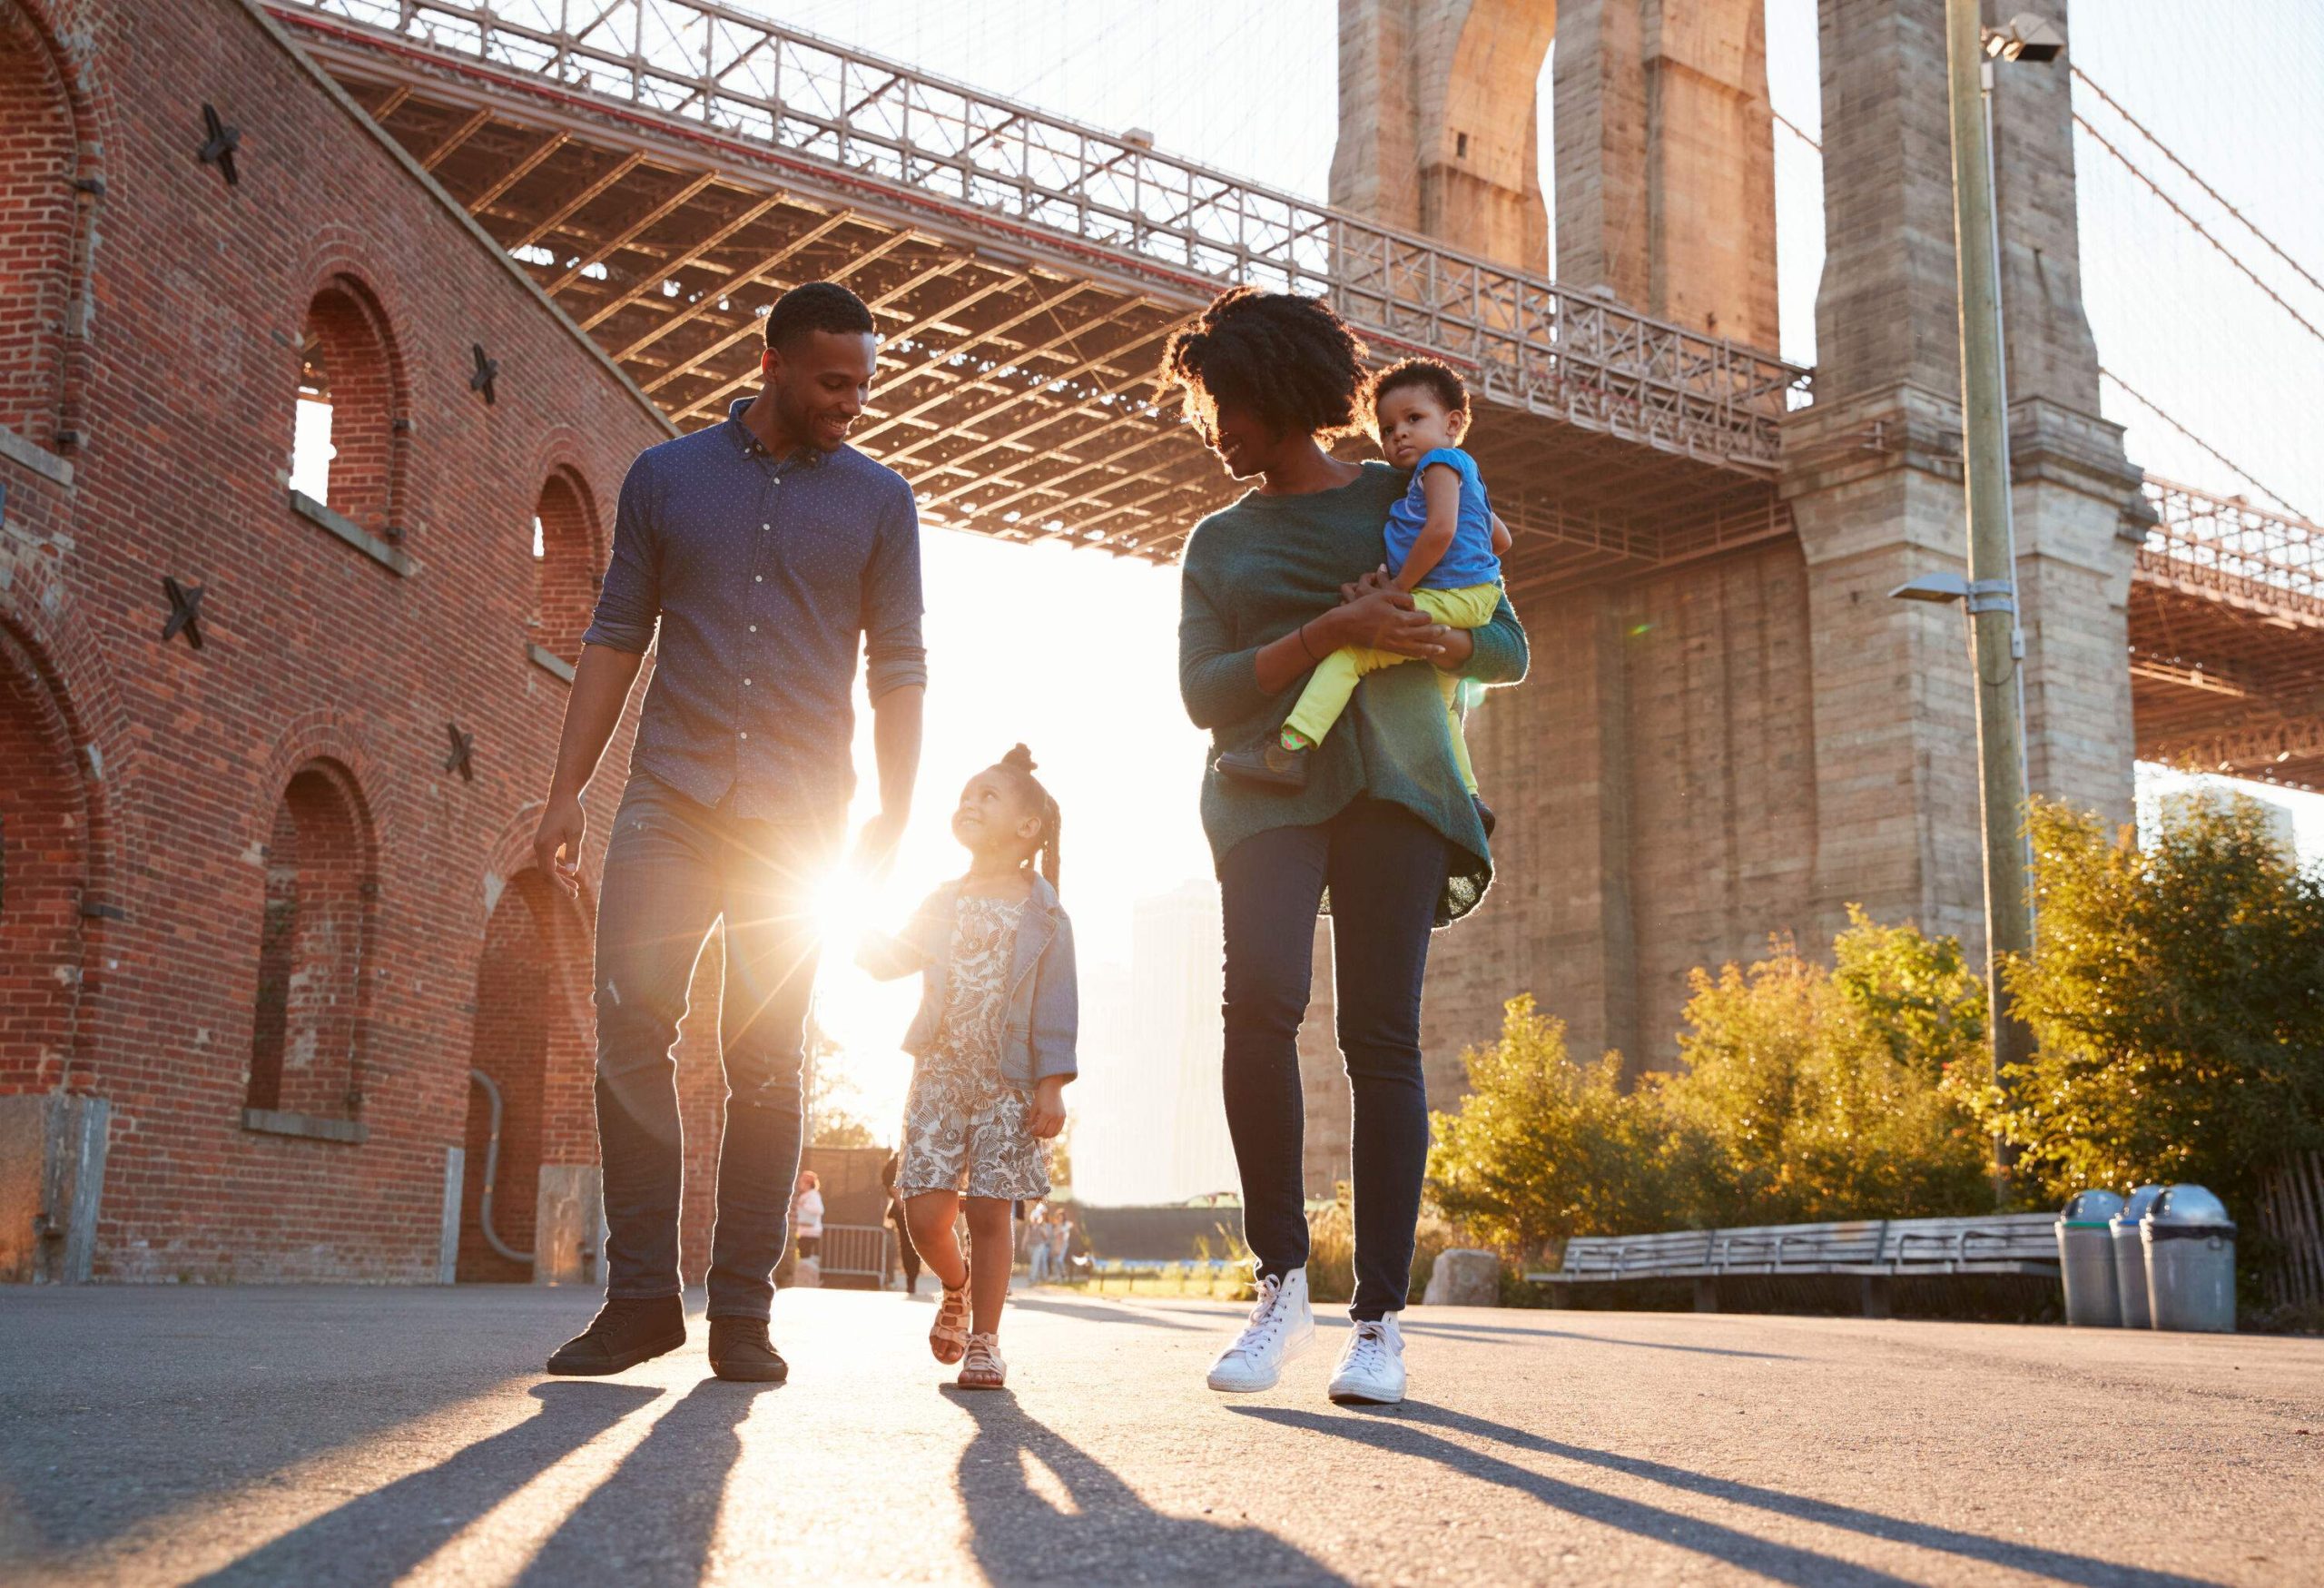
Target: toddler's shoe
1266,762
1485,816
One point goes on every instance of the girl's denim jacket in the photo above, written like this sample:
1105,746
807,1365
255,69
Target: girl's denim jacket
1044,1002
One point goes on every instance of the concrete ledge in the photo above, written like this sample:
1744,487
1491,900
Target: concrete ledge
354,533
548,661
39,460
313,1127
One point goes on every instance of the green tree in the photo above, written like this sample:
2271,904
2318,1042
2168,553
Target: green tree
2176,997
1544,1148
1820,1090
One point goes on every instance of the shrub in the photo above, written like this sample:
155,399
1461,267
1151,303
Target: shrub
2176,997
1330,1248
1820,1091
1803,1094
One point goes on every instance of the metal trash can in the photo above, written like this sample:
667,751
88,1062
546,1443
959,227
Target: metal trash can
2086,1259
2129,1258
2190,1260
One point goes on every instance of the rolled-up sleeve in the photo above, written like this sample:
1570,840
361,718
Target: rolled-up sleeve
630,603
894,655
1500,653
1218,683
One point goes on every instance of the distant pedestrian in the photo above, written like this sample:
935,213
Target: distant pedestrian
1037,1245
993,1045
907,1254
807,1214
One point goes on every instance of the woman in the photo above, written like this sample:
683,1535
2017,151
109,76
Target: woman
1383,827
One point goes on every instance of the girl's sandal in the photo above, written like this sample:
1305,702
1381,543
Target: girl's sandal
983,1369
948,1336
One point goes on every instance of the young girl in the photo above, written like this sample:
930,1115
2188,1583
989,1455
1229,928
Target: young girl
994,1044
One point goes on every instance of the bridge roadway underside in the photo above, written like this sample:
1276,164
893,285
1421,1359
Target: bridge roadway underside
1018,389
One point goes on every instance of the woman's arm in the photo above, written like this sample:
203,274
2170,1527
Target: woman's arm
1496,653
1220,683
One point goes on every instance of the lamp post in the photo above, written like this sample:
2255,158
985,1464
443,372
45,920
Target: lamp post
1989,593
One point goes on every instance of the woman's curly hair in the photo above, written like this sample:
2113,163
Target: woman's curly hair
1287,359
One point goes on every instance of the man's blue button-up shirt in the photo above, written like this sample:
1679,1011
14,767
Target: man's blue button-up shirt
765,576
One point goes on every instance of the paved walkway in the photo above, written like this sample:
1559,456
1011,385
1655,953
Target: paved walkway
342,1436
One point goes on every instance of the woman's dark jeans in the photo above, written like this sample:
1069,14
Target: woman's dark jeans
1384,867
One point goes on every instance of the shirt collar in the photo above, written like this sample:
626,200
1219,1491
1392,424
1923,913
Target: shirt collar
748,445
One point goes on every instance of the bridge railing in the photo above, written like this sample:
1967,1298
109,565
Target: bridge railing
1530,342
2226,545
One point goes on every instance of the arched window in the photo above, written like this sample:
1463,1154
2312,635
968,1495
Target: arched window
345,447
43,841
307,1028
566,569
37,225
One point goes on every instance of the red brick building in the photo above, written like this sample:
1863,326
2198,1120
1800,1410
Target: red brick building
266,891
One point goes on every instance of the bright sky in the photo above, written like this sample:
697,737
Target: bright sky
1073,653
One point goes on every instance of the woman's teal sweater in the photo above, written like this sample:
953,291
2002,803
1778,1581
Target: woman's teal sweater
1253,572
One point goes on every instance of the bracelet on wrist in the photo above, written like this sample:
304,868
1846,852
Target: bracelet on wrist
1304,645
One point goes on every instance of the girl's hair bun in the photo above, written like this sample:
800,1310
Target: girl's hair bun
1018,759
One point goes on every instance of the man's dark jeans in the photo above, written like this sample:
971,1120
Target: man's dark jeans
674,867
1384,867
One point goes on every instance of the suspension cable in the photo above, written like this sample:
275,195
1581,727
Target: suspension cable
1784,121
2216,196
2197,226
2149,404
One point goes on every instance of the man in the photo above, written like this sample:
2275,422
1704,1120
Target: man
767,550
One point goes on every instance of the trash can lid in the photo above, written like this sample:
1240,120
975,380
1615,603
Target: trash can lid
2189,1207
2090,1210
2134,1208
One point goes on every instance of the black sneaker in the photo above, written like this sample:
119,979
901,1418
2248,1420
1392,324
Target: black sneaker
1266,762
1485,816
739,1349
623,1334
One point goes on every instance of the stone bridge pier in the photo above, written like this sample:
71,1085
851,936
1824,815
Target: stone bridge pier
1746,744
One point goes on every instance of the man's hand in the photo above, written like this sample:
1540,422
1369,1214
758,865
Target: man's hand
1046,1117
875,846
557,841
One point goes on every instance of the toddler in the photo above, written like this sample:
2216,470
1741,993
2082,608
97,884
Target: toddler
993,1048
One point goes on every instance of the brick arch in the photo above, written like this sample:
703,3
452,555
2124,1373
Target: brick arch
339,740
45,139
351,356
316,935
59,684
569,568
44,862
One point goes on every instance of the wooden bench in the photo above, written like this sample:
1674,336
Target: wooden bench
1876,1251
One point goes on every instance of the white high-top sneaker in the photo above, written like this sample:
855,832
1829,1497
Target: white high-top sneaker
1372,1366
1280,1326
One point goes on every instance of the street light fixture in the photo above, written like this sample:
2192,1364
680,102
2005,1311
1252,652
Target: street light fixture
2027,37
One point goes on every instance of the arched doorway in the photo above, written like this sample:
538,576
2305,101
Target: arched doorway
44,860
306,1029
526,1029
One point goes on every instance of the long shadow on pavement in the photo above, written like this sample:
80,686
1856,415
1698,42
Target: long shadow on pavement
1782,1562
2056,1564
1112,1535
1098,1314
384,1533
1468,1328
653,1517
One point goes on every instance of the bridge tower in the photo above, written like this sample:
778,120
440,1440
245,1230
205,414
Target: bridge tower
1747,744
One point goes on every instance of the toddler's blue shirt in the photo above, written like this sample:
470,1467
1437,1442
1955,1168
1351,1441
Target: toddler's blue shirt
1469,560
